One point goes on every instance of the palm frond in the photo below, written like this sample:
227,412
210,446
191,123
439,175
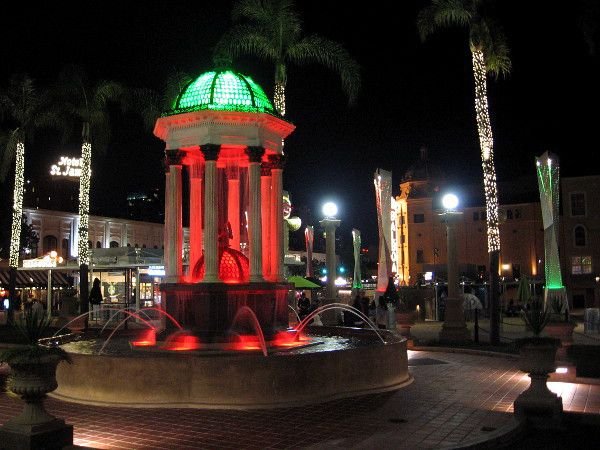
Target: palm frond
444,14
332,55
107,92
176,82
497,53
9,151
246,40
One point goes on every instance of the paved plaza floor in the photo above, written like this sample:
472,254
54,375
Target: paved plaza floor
456,400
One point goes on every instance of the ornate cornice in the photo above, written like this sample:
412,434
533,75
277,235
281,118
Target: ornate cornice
255,153
210,151
277,161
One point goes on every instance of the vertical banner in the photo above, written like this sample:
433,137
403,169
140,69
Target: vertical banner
308,238
383,193
356,281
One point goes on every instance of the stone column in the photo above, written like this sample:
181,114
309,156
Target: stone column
454,328
106,234
277,162
195,215
173,220
265,207
233,210
254,214
211,247
330,225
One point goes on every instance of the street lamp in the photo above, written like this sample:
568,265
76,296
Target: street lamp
330,223
454,328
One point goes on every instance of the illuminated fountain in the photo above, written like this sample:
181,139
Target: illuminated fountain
228,344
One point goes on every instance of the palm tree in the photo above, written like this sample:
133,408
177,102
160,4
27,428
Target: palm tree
85,104
20,107
272,30
489,55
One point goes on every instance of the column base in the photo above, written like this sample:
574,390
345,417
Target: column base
455,334
51,435
256,279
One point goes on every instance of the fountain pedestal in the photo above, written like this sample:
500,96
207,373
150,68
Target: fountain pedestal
208,309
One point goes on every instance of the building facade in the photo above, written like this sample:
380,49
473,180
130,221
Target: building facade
422,233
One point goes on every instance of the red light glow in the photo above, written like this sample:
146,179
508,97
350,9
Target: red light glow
182,342
289,339
246,342
147,339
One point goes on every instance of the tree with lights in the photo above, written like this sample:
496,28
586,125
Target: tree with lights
489,55
272,30
23,113
86,104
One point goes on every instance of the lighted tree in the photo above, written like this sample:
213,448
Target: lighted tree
489,55
85,104
21,110
272,30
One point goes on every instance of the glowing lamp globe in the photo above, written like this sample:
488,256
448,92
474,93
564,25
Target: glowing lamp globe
330,209
450,202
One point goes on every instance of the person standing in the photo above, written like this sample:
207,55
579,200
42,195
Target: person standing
95,298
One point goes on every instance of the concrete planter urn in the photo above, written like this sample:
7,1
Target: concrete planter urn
32,376
404,321
562,331
537,403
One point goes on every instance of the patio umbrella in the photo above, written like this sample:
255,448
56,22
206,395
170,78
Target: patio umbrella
302,283
471,301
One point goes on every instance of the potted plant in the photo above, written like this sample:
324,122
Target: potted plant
537,358
560,326
32,376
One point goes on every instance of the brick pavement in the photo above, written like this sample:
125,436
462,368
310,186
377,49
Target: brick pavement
455,399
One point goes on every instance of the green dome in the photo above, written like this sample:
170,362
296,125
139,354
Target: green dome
222,90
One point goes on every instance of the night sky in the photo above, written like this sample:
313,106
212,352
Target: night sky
413,93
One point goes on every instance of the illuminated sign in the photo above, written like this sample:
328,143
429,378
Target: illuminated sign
66,167
156,270
46,261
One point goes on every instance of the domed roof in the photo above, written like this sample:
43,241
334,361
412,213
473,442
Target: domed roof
222,90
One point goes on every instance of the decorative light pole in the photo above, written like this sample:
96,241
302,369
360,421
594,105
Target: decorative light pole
455,327
329,224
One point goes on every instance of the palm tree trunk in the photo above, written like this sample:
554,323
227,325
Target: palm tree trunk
279,92
84,211
486,142
17,217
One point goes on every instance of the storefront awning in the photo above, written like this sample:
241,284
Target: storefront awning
34,278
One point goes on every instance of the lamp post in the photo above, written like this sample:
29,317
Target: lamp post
329,224
454,328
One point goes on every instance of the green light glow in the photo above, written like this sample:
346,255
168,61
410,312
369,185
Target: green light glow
222,91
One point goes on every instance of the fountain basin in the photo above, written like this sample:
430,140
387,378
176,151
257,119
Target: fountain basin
236,380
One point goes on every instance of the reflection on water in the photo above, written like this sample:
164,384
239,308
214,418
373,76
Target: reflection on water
120,346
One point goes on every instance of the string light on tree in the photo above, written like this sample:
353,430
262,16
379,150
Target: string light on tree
486,142
84,202
15,235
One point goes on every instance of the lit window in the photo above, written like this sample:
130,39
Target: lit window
579,236
581,265
578,204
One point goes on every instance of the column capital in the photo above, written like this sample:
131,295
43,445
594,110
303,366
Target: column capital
255,153
173,157
265,169
277,161
210,151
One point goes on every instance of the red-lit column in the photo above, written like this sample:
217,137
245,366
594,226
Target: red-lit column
277,163
211,249
254,214
233,208
173,221
195,215
265,208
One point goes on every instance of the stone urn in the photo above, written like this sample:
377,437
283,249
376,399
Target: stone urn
404,321
32,378
562,331
537,403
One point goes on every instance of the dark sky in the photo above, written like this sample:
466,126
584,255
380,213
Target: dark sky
413,93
